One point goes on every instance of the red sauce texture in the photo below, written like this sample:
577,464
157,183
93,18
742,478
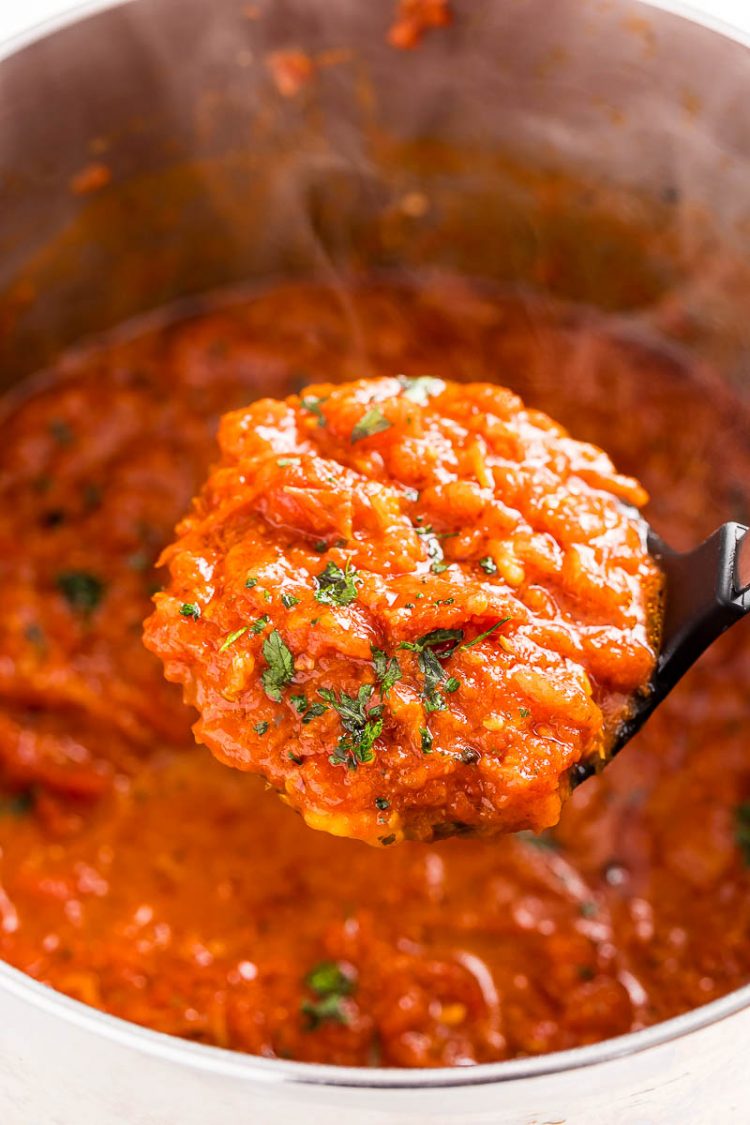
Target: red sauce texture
411,605
143,877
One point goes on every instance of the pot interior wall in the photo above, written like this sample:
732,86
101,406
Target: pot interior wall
582,149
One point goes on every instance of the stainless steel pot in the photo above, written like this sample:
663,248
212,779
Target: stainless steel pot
639,117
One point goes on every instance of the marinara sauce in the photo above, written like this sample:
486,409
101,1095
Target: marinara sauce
142,877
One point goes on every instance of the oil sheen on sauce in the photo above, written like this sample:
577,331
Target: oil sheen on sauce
142,877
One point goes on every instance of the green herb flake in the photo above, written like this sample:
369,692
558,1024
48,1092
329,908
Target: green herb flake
284,462
371,423
289,601
382,803
295,758
426,739
421,388
444,601
438,566
17,804
488,564
190,609
588,909
742,830
386,841
337,587
258,626
486,633
313,405
267,595
524,712
250,582
235,636
61,432
387,670
280,670
260,728
452,684
331,984
82,591
363,726
321,546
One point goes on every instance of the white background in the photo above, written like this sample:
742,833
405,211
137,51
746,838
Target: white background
18,15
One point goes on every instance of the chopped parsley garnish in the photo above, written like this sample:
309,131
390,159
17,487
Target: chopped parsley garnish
444,601
61,432
420,389
267,597
260,728
289,600
336,586
331,985
259,625
438,566
387,670
312,405
306,709
82,591
430,666
742,830
250,582
382,803
371,423
386,840
190,609
427,740
295,758
363,727
17,804
284,462
235,636
280,670
452,684
411,494
321,546
488,564
524,712
486,633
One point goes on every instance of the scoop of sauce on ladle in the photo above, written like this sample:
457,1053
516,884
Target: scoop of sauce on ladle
420,609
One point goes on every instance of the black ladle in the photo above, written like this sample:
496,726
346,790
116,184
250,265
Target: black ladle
706,591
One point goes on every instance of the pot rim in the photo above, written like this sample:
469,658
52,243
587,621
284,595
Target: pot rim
251,1068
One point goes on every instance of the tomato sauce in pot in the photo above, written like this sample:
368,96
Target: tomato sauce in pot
144,878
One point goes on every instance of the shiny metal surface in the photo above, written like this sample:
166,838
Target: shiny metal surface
216,179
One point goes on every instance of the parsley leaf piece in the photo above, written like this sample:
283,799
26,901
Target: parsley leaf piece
313,405
328,978
452,684
299,703
524,712
387,670
337,586
742,830
382,803
259,625
235,636
280,670
250,582
190,609
427,740
430,666
81,590
486,633
488,565
363,727
289,600
372,422
436,638
438,567
17,804
295,758
331,985
421,388
260,728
